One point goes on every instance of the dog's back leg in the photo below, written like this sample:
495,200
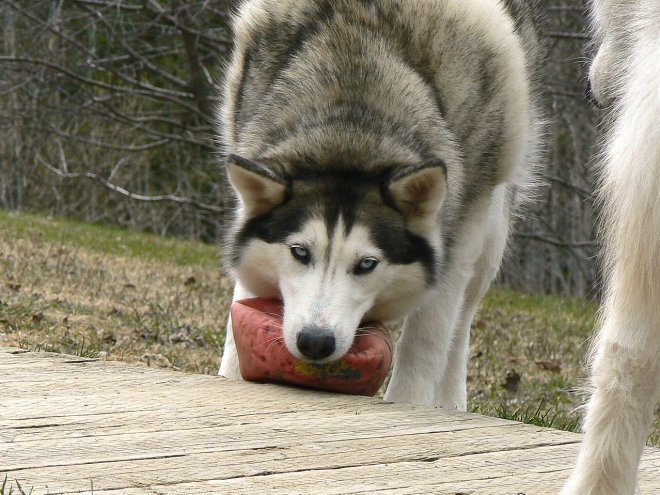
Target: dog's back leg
626,364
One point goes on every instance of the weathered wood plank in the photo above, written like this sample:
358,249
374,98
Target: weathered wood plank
484,475
67,425
256,462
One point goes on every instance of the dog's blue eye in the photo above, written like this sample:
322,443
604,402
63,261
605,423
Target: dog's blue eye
301,253
365,265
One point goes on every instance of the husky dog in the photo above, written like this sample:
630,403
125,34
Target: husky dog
378,149
626,358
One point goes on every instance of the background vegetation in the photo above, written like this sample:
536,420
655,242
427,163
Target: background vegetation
107,115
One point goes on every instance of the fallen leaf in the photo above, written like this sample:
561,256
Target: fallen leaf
550,365
107,336
181,335
155,360
512,381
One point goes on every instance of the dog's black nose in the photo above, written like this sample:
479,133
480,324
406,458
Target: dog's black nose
315,343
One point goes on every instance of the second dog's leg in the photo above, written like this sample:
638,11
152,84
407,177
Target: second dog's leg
621,409
626,368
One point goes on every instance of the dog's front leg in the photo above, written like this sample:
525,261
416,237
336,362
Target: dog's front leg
421,356
229,365
430,363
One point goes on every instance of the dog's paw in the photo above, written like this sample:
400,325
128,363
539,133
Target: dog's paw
582,482
409,390
229,366
571,488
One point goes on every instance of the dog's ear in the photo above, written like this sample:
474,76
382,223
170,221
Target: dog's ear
418,192
260,187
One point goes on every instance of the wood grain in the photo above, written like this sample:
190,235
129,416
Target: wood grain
72,425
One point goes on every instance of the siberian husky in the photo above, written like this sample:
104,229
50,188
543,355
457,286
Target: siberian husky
379,149
626,359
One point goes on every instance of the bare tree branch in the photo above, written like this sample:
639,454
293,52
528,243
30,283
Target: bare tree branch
583,192
94,142
117,4
557,242
216,41
177,81
196,85
152,91
131,195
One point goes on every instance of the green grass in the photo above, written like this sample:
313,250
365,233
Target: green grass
96,291
527,353
107,240
9,489
541,415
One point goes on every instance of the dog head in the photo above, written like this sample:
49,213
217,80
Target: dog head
340,247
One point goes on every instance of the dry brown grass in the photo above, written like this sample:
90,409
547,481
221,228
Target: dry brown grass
58,296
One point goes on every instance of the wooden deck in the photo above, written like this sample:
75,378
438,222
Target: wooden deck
71,425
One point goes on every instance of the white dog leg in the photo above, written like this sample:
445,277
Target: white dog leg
626,368
453,388
420,358
430,362
229,365
619,415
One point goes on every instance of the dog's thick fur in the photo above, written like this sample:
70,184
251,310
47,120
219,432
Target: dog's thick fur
626,360
400,134
378,150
